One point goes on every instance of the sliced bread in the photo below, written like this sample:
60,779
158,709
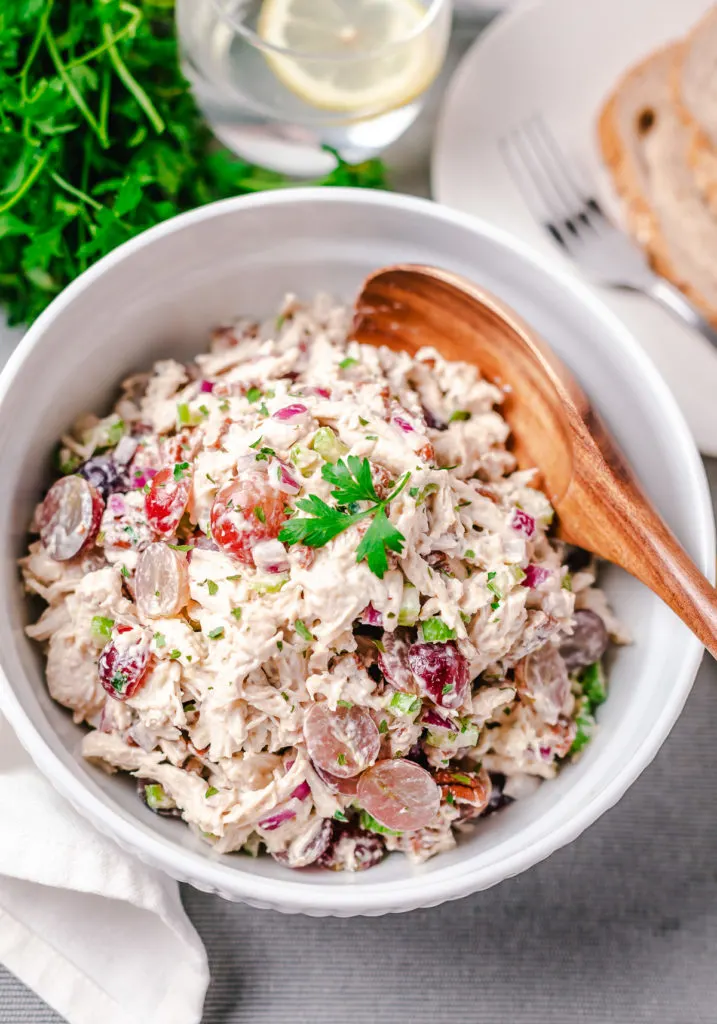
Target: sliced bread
694,85
645,144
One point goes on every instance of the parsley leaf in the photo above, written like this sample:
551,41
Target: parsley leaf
352,483
380,536
352,480
101,139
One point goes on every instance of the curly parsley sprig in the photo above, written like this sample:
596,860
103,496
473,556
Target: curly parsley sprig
352,483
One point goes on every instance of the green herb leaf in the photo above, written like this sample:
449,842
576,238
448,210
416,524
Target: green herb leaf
380,537
212,791
215,634
236,612
459,414
180,469
253,394
348,362
352,479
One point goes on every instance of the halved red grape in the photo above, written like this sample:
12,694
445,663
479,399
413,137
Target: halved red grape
468,792
70,517
124,663
542,679
335,784
352,849
161,581
393,662
245,512
441,672
166,501
399,794
588,642
342,742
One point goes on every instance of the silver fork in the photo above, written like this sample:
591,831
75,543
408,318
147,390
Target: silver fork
574,218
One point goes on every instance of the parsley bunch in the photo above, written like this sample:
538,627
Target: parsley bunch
352,483
100,139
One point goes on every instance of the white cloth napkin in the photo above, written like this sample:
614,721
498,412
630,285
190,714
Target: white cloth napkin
97,934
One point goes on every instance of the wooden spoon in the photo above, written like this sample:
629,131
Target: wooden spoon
599,503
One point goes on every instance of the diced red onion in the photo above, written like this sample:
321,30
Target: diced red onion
316,392
522,523
546,753
436,721
204,543
270,556
403,424
534,576
302,791
207,386
116,504
280,474
275,820
370,617
289,412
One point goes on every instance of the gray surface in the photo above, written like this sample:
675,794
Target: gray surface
619,927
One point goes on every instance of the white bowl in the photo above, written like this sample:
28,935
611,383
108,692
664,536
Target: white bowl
159,295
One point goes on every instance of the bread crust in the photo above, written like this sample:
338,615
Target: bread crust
642,220
701,151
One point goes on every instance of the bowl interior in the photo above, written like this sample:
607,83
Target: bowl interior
159,296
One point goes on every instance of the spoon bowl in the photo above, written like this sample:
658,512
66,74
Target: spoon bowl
598,501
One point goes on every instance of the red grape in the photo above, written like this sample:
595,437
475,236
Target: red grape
399,794
342,742
588,642
124,663
166,501
441,671
161,581
393,662
542,679
70,517
245,512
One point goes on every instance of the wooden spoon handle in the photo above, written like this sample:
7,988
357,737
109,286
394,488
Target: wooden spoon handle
628,531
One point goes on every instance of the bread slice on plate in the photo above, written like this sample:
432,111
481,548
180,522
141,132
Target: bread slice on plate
645,144
694,85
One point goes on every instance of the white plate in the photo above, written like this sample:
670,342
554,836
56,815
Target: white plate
560,58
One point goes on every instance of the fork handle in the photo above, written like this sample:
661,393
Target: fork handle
676,303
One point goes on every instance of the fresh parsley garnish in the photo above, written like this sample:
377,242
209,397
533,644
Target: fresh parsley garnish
215,634
180,468
348,362
101,139
352,482
253,394
459,414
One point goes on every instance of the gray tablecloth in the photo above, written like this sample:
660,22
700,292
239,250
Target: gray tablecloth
619,928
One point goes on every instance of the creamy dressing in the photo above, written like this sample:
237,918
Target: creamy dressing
218,720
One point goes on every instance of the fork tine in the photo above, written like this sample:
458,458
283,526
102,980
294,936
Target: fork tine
555,160
532,183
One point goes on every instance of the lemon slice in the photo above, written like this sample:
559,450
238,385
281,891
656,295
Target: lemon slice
366,63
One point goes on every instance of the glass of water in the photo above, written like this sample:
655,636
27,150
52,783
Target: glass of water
279,80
